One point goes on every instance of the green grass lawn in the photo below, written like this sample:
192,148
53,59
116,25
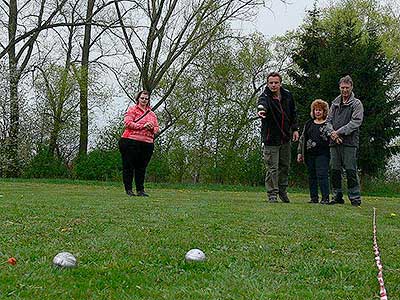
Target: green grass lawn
134,248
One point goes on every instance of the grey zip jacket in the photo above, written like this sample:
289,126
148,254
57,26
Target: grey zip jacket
346,119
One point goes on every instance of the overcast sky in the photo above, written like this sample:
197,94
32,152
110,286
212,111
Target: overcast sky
276,20
281,17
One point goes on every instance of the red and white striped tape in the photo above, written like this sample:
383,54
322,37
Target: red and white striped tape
383,294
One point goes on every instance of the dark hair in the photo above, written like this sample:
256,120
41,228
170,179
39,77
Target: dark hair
319,103
140,94
346,79
274,74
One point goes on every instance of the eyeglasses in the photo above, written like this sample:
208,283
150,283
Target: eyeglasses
144,98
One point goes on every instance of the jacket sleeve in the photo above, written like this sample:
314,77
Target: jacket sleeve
355,121
300,147
293,111
129,121
329,126
156,126
262,100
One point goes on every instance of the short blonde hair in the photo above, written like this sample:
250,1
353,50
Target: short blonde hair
319,103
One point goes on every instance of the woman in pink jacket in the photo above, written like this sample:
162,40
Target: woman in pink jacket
137,143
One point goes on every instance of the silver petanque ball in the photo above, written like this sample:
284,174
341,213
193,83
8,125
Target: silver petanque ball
195,255
64,260
261,107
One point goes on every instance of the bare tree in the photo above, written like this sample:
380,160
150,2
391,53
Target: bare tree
83,82
25,24
169,34
33,12
98,21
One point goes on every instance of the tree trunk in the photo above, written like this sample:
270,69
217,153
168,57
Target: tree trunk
201,146
55,133
57,123
84,119
12,169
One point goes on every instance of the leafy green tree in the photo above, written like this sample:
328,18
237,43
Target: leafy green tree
341,41
213,108
56,105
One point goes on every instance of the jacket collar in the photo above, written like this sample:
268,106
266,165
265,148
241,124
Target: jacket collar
338,100
268,92
137,106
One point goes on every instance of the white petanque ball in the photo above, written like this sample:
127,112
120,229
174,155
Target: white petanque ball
64,260
195,255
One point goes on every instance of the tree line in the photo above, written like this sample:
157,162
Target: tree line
204,78
74,38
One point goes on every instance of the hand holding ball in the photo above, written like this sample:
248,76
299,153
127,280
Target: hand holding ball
262,111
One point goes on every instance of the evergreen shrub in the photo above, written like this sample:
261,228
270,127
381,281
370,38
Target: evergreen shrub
159,169
45,165
98,164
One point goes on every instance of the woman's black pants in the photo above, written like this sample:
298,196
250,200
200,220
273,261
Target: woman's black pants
135,158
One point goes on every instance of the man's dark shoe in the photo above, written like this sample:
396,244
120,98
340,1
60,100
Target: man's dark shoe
284,197
356,203
142,194
313,201
130,193
272,199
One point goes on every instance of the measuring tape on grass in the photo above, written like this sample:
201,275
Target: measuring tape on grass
382,293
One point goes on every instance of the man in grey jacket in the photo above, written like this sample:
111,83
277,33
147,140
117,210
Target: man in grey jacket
344,120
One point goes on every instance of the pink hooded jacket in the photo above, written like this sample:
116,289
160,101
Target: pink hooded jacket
134,129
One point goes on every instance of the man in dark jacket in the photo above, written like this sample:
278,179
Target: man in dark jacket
278,115
344,119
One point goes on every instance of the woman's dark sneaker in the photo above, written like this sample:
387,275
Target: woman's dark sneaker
336,201
130,193
142,194
325,200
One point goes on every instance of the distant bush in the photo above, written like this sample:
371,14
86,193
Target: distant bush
45,165
380,186
392,172
158,169
99,165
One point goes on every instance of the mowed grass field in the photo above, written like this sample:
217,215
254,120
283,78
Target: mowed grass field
134,248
